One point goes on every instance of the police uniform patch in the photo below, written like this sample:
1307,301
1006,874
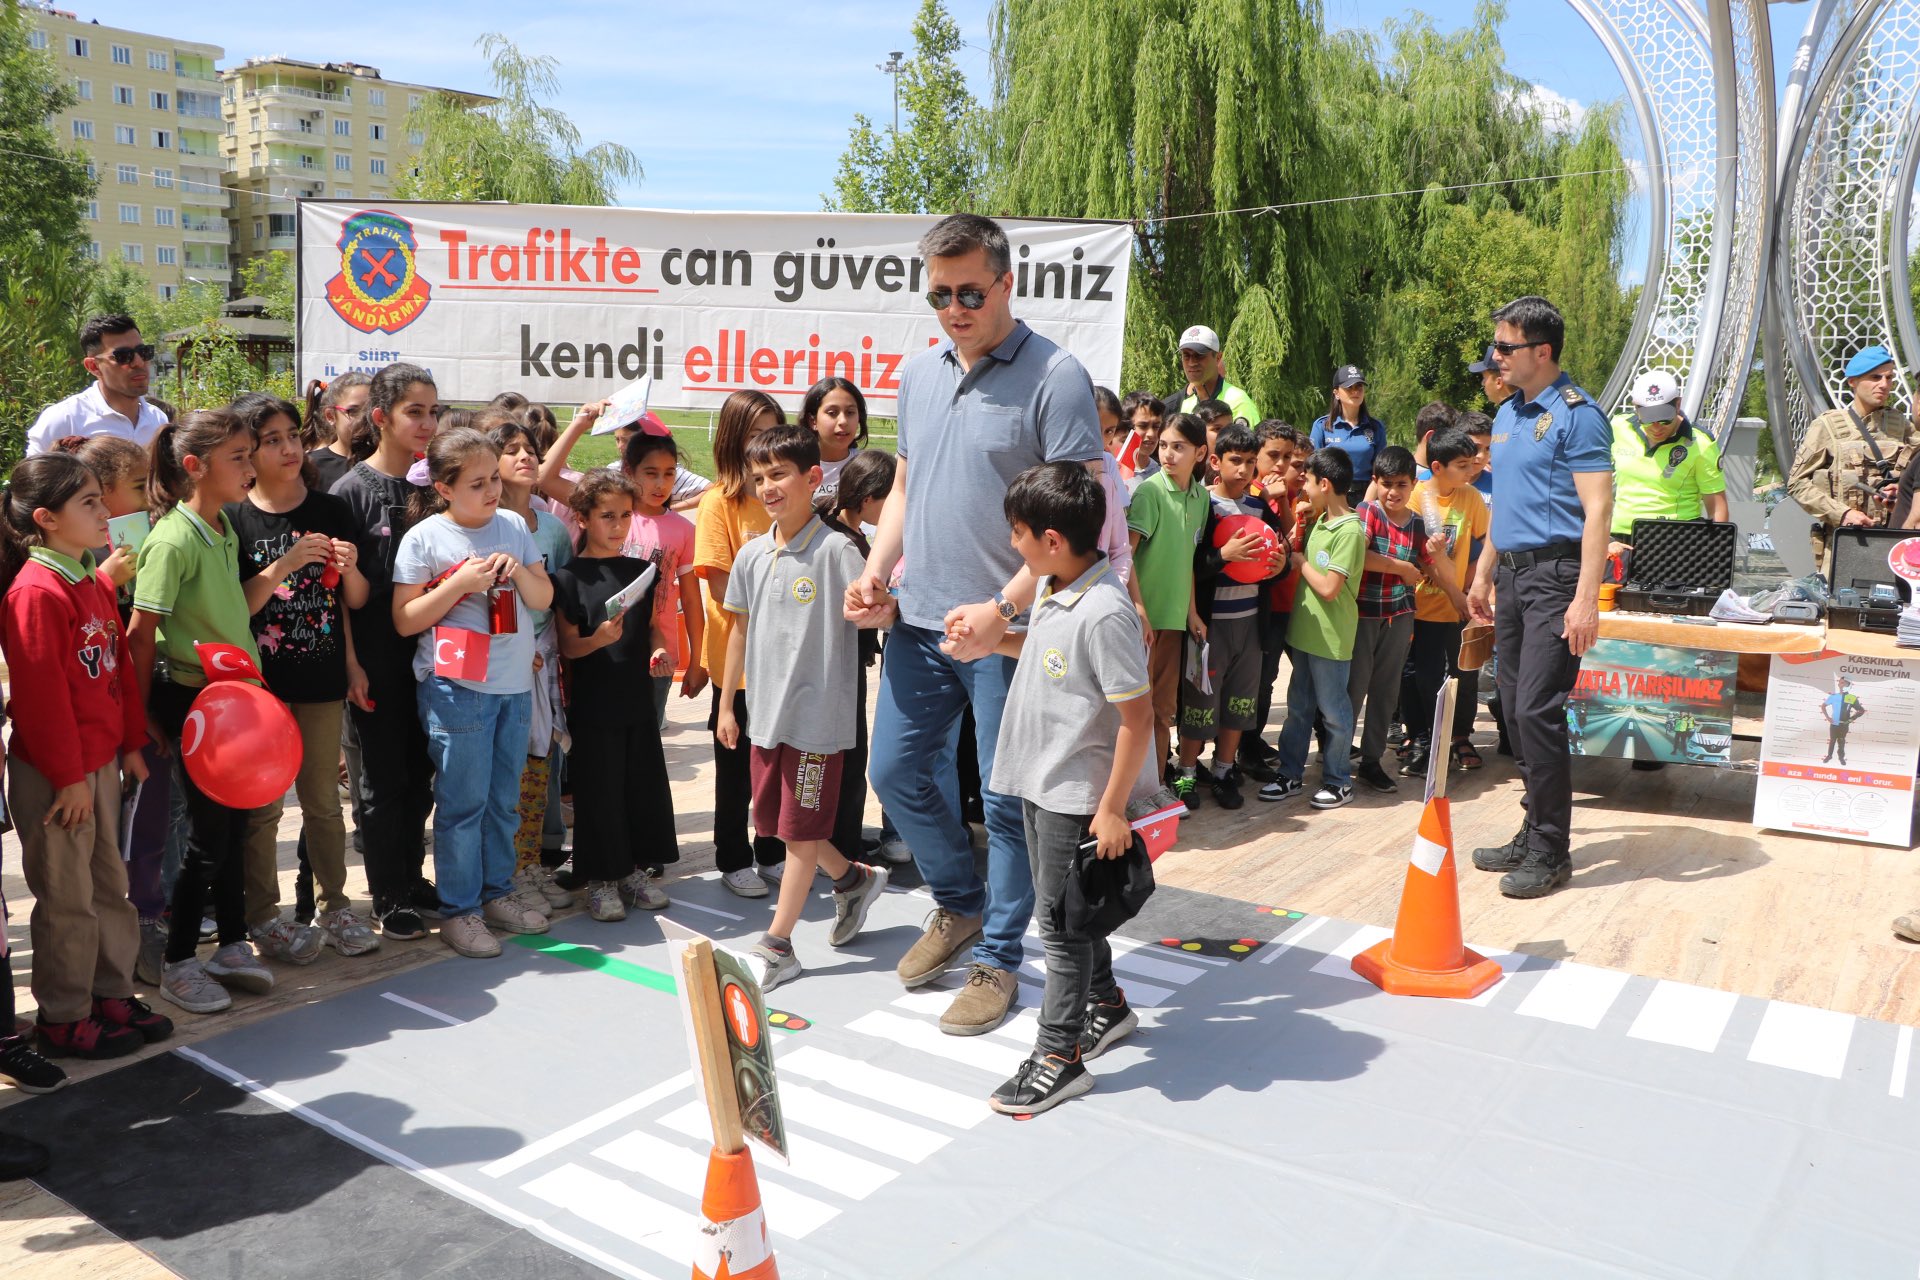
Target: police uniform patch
1674,459
1572,396
1054,663
804,590
1541,427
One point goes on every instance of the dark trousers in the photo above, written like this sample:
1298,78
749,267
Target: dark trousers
214,865
146,886
1836,741
1436,655
1079,965
1537,671
732,799
396,787
303,882
622,805
849,821
1273,647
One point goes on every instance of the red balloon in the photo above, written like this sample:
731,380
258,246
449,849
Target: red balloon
1262,564
240,745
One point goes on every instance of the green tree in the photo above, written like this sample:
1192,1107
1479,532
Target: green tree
515,148
270,277
938,163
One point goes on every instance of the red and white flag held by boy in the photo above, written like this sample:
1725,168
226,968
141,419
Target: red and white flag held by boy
459,654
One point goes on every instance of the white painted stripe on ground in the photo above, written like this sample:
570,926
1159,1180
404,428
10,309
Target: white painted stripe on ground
712,911
994,1059
592,1124
1802,1038
1339,961
1153,966
813,1162
1508,962
435,1014
1293,938
931,1002
860,1125
1576,994
1688,1016
1902,1057
432,1177
619,1210
903,1093
1145,994
684,1172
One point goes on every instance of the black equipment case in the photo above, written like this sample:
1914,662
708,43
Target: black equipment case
1856,566
1678,566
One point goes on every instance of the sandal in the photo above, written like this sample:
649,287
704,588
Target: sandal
1464,754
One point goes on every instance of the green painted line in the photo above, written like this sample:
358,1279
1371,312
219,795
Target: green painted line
598,961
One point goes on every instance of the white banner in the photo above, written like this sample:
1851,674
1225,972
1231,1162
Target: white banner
567,304
1838,751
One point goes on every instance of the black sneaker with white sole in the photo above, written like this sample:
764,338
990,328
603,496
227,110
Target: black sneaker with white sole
23,1066
1282,788
1330,796
1370,772
1106,1025
1044,1081
402,924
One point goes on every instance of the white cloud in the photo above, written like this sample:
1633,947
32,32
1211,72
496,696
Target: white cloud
1557,109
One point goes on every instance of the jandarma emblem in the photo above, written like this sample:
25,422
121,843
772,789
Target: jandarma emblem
379,288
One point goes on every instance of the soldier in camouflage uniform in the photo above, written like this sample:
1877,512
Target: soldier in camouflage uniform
1850,462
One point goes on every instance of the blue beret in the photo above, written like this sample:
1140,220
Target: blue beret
1869,360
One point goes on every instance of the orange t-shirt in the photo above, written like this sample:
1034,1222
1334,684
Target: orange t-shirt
721,526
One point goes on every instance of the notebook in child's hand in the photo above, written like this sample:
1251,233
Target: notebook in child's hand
1197,676
624,406
129,531
623,599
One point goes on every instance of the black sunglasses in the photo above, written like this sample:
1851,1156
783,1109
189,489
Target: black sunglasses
971,298
127,355
1508,348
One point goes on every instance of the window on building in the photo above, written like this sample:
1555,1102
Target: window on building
156,61
376,97
341,193
342,163
123,95
93,250
77,46
163,139
36,39
165,256
160,100
259,228
166,291
130,213
377,167
124,135
163,217
253,121
83,131
93,211
342,128
163,177
377,132
253,157
83,89
133,253
123,55
306,125
413,101
417,137
127,174
280,224
93,174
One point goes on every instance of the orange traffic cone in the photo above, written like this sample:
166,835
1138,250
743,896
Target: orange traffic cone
733,1241
1425,956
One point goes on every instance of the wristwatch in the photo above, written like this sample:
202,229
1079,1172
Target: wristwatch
1004,607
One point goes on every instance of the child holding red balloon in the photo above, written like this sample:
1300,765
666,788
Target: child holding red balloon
187,592
78,729
465,580
299,570
1236,553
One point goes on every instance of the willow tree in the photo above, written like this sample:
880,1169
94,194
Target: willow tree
514,148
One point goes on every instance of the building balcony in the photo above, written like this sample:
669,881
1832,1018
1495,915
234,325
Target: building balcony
203,196
207,77
205,270
303,128
200,149
292,93
278,164
281,242
211,230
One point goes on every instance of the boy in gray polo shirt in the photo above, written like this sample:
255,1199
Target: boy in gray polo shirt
1074,742
799,657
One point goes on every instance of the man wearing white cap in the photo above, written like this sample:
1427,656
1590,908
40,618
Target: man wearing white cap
1849,463
1663,469
1200,362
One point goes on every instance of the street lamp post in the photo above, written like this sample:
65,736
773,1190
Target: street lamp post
893,66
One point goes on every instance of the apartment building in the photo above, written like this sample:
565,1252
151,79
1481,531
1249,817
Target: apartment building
302,129
149,120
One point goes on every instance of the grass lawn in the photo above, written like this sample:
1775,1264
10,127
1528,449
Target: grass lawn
690,433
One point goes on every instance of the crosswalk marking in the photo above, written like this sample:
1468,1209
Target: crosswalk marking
1338,963
931,1002
993,1059
619,1210
1147,995
1902,1055
681,1171
1801,1038
1688,1016
1293,938
1576,994
858,1124
1508,962
592,1124
811,1161
902,1092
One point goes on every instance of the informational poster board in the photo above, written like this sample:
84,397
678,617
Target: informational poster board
1838,752
1653,702
728,1040
569,304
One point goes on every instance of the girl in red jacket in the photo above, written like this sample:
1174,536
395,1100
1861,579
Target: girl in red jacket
78,726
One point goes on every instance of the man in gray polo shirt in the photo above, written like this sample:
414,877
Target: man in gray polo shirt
975,411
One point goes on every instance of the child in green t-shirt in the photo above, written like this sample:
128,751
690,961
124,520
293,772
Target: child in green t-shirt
1164,523
1320,635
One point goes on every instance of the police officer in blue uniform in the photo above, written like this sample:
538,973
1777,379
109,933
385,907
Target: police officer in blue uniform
1538,580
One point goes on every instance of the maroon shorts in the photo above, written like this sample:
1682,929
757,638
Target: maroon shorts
796,794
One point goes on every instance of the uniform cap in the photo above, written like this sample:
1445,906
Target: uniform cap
1347,375
1484,364
1656,395
1200,338
1867,361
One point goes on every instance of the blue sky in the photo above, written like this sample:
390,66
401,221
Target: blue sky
730,110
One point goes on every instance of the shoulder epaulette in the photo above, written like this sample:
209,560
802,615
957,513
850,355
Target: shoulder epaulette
1573,397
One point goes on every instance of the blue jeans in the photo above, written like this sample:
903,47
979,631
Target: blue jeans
478,742
922,694
1319,685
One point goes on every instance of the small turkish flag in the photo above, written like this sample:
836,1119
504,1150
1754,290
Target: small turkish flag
458,654
227,662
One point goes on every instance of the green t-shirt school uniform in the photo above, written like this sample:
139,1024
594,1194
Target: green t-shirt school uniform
189,576
1168,520
1325,628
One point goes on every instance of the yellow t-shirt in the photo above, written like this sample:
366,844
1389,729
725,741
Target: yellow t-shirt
1465,519
720,528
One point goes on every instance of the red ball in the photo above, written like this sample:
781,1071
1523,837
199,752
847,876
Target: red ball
1262,564
240,745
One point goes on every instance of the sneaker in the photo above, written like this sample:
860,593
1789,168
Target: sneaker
288,942
403,924
1732,607
982,1004
526,895
26,1069
209,931
346,932
1187,787
773,967
896,852
134,1013
603,901
1260,770
188,984
1282,789
1043,1082
1106,1025
745,883
1538,876
772,872
942,938
1415,765
425,898
235,965
87,1037
147,966
556,895
1504,857
642,889
850,908
508,914
1226,791
1374,776
1330,796
467,935
1353,755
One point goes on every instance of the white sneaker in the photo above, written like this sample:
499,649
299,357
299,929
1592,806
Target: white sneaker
745,883
773,873
603,901
557,896
235,965
468,936
896,852
288,942
187,984
507,913
774,967
346,932
642,889
527,896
